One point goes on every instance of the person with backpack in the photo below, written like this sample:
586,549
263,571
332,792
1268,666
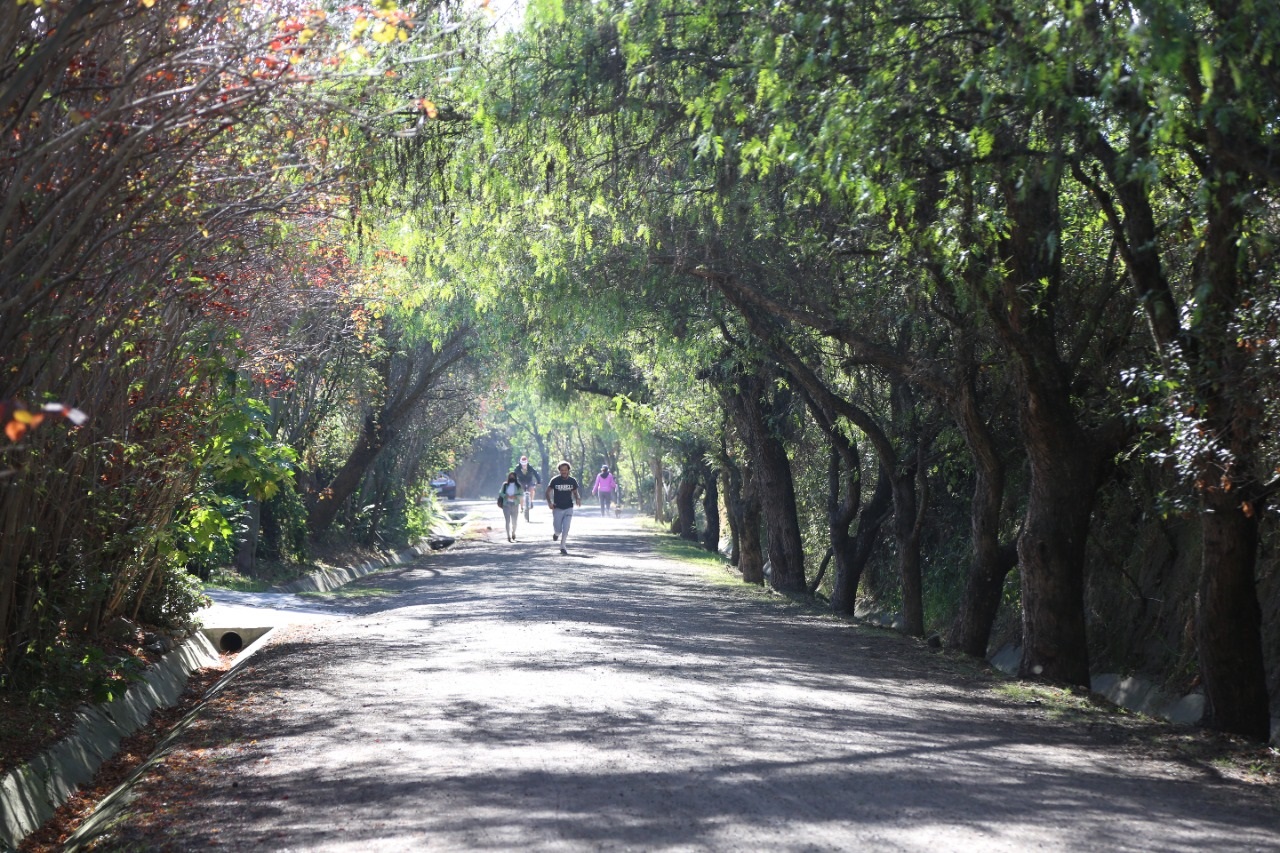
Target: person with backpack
509,498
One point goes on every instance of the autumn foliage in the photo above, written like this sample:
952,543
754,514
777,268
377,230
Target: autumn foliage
171,262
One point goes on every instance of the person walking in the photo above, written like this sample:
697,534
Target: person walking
512,495
562,497
529,479
604,487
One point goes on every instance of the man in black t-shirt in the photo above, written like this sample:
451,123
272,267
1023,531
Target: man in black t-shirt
562,497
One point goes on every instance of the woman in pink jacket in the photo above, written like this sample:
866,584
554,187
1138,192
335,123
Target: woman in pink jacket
605,486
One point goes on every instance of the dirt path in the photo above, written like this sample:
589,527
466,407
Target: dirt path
503,697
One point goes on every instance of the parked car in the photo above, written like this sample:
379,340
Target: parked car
445,486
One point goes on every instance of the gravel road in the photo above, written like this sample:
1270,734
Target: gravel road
499,696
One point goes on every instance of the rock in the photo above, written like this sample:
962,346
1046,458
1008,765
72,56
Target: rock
1007,659
121,629
158,643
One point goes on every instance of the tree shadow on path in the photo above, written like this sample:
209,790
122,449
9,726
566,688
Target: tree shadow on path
500,696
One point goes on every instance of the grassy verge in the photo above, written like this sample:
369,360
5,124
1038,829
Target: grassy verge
1208,752
350,593
228,578
270,573
1059,703
1212,753
675,548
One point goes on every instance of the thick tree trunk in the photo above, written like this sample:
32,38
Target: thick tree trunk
983,592
772,469
843,501
1229,636
711,511
1228,617
743,509
545,455
1051,551
985,584
1229,620
910,499
992,562
733,509
852,559
685,524
1064,463
750,548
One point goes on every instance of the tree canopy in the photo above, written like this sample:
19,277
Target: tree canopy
938,308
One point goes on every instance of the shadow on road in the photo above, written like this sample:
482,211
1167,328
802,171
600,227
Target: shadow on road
501,696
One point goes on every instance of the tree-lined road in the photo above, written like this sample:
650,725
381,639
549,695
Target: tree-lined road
500,696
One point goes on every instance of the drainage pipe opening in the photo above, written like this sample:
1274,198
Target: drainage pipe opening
230,642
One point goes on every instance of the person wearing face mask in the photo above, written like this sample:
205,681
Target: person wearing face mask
529,479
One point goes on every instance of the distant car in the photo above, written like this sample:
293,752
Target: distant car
445,486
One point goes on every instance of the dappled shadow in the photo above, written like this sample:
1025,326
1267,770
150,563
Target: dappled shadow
500,696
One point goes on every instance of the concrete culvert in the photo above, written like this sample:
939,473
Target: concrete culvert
230,642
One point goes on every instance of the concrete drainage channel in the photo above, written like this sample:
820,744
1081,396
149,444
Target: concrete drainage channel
30,794
233,640
1134,694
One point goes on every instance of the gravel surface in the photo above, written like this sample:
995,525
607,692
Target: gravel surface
500,696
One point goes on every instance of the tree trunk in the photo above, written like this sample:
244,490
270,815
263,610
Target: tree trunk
659,493
750,549
1229,636
711,510
983,592
685,523
544,457
906,535
772,469
910,499
984,587
1051,550
733,509
852,559
374,436
1064,464
842,506
247,545
1229,620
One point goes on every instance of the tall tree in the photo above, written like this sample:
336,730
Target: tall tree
414,370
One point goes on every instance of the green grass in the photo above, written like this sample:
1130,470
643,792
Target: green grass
352,592
675,548
266,574
226,579
1058,702
720,573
